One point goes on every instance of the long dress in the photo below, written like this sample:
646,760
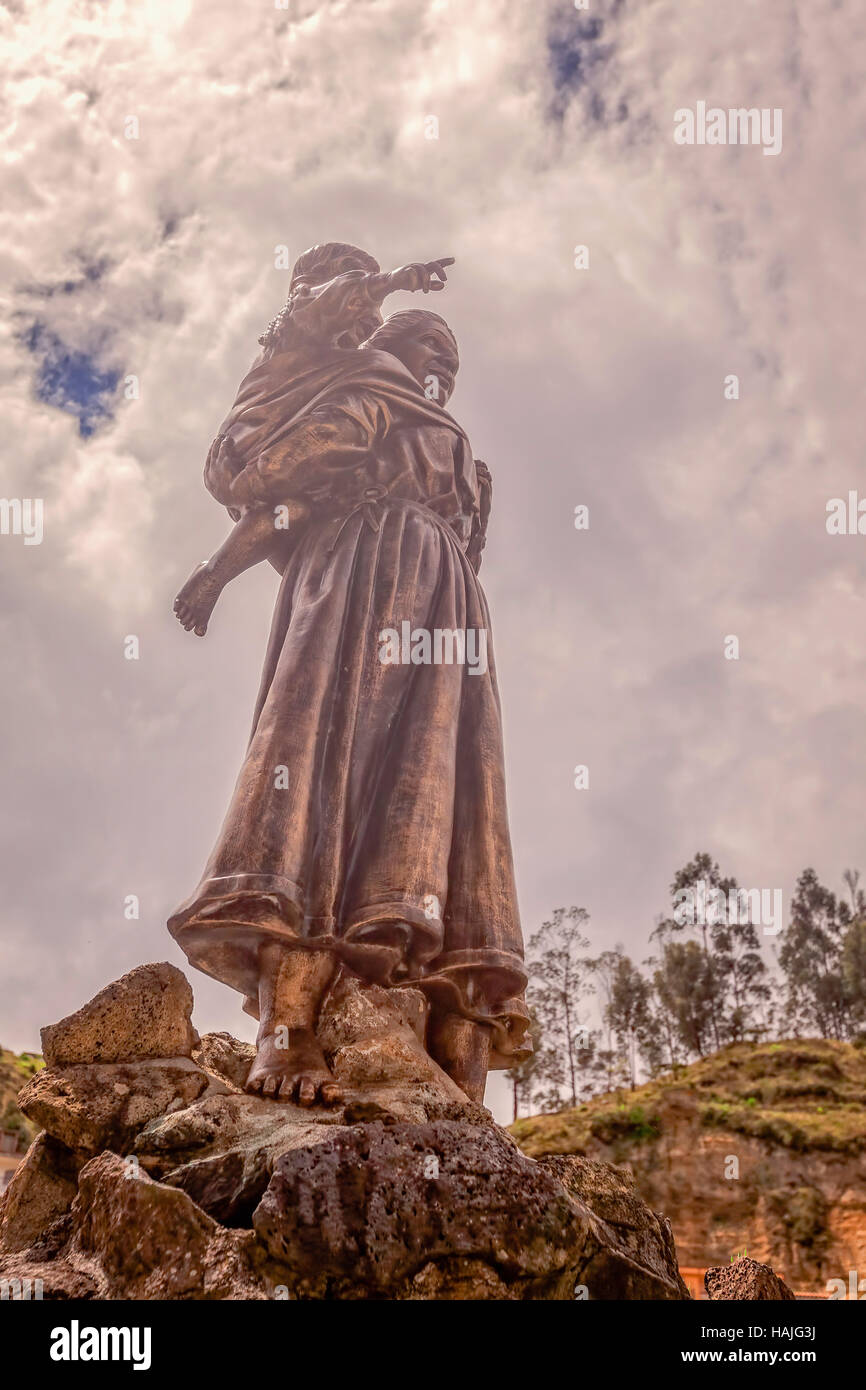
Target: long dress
369,817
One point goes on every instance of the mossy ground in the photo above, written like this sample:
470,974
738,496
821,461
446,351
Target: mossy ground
803,1095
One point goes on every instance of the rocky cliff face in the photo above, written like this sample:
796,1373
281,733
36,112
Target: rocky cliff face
757,1148
155,1176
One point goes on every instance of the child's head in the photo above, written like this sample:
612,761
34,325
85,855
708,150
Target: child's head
315,267
424,343
332,258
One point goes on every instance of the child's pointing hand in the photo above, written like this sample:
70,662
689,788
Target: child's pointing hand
420,275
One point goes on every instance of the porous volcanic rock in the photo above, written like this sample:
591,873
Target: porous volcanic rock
745,1280
374,1204
223,1055
143,1240
105,1105
638,1259
30,1278
42,1189
146,1013
373,1041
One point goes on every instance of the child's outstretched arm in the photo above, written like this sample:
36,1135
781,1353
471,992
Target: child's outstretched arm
345,310
420,275
253,538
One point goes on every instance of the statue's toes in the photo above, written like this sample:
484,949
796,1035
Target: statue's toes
271,1085
287,1087
332,1092
306,1091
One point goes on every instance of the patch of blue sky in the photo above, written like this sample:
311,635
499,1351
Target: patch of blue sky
72,380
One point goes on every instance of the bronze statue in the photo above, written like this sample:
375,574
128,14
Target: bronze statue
368,828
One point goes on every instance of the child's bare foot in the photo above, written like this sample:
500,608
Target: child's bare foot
195,602
290,1065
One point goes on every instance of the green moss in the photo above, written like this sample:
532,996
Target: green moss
802,1094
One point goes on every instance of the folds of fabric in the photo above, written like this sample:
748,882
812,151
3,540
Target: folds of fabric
369,817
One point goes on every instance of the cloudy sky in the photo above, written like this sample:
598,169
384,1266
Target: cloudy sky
154,257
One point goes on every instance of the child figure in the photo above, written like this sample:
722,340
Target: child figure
334,304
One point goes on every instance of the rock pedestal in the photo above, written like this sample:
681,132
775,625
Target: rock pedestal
157,1177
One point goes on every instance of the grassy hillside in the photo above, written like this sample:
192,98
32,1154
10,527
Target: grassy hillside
808,1095
15,1072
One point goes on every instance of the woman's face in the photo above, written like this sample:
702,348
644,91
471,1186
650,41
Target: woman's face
430,352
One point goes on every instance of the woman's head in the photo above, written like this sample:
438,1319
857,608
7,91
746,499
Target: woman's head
424,343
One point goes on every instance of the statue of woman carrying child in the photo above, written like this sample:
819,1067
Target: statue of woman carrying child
368,827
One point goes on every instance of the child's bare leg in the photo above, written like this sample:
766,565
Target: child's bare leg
289,1061
195,602
252,539
462,1049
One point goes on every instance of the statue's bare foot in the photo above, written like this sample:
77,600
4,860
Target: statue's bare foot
290,1065
462,1049
195,602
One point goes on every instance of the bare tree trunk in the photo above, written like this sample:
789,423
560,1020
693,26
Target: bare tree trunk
570,1051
